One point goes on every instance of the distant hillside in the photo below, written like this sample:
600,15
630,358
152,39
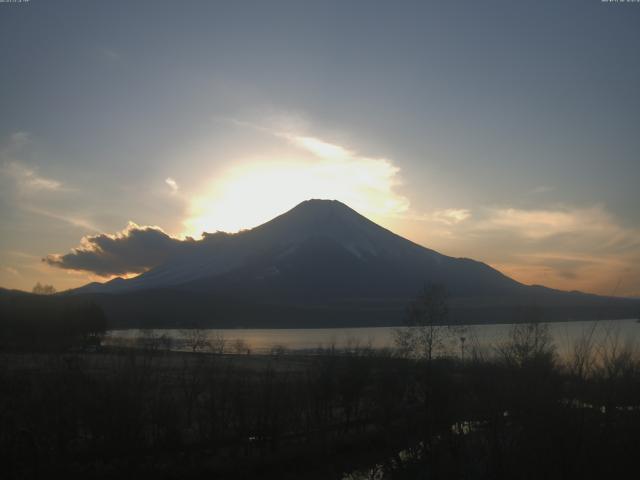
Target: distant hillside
48,322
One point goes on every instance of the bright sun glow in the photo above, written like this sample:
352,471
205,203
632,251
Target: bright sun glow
253,193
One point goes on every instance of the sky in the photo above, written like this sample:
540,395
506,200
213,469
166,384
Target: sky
503,131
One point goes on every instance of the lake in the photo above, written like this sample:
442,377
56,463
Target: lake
482,337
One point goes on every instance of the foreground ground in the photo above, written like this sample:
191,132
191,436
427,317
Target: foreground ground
151,413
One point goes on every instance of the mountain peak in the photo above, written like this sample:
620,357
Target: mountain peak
319,201
325,201
318,205
318,209
326,218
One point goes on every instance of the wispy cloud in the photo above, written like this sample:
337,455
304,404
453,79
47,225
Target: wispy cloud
543,223
67,218
320,148
173,185
22,255
440,219
451,216
28,190
27,178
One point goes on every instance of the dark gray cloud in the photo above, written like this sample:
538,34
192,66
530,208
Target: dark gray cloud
133,250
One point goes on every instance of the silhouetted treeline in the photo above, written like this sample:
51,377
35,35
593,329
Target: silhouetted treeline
175,308
152,413
44,322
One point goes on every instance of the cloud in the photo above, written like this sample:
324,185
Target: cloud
133,250
25,189
451,216
370,184
173,185
320,148
314,168
537,223
67,218
27,179
567,247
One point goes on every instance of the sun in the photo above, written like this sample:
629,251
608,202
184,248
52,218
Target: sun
254,192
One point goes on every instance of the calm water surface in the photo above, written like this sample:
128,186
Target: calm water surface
483,337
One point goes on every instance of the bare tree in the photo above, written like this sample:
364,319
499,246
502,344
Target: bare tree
426,328
529,341
581,360
40,289
240,346
195,339
217,343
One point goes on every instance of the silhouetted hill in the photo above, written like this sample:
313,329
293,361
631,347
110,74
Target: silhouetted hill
323,264
48,322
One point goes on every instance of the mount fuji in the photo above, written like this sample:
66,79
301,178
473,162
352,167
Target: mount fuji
323,264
